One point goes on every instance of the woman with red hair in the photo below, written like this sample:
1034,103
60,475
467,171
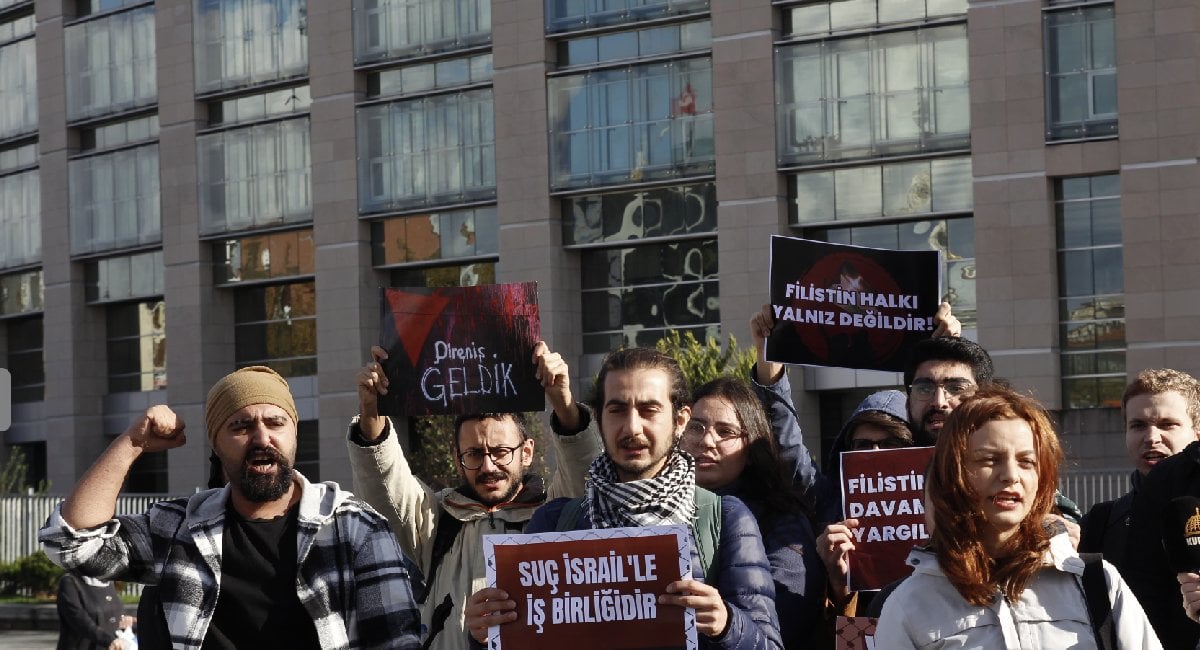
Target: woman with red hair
998,572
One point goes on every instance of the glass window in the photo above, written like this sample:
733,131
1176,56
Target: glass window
34,455
18,89
21,293
270,256
308,450
425,77
148,475
830,17
631,124
1091,286
137,346
621,216
116,134
437,150
632,295
18,156
89,7
393,29
20,219
955,238
1081,73
246,42
110,64
25,359
429,237
257,106
114,200
16,26
276,326
121,278
461,275
652,41
568,15
254,176
875,95
894,190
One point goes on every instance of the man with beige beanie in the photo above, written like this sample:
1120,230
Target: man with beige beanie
270,560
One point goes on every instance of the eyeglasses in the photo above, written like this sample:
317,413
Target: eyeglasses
697,429
926,388
473,458
866,444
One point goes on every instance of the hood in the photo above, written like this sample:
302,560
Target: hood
891,402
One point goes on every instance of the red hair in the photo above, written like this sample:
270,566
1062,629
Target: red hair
959,523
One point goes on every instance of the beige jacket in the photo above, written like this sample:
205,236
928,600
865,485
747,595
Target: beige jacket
383,478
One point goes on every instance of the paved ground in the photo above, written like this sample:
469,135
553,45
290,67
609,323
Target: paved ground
28,639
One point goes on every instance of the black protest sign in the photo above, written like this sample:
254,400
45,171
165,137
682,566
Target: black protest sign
460,350
849,306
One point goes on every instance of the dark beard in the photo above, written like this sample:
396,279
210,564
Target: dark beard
513,488
262,488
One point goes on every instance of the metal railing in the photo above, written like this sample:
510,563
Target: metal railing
1087,487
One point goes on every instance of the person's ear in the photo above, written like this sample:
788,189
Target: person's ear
527,452
681,419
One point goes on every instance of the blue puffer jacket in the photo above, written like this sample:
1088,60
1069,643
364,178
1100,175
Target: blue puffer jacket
743,576
796,568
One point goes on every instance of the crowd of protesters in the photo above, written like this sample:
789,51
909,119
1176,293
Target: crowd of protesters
267,559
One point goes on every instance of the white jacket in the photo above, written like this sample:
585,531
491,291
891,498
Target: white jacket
383,478
926,611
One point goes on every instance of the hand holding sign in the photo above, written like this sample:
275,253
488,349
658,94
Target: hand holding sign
711,615
487,607
554,374
834,546
372,382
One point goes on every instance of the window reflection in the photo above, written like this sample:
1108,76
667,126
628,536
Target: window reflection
137,347
874,95
462,275
111,64
20,219
429,151
255,176
636,293
1091,282
391,29
124,277
264,257
246,42
18,89
442,236
631,124
21,293
621,216
114,200
567,15
276,326
1081,79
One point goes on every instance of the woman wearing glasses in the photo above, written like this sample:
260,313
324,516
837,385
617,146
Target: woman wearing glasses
736,454
997,573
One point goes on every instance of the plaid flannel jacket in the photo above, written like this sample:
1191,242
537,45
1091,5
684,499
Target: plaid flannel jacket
352,577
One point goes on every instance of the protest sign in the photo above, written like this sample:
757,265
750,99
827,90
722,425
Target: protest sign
460,350
855,633
884,490
592,589
849,306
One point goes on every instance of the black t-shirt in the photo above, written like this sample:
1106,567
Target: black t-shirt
258,606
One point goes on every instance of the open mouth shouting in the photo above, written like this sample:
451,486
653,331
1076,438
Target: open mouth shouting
1007,500
262,460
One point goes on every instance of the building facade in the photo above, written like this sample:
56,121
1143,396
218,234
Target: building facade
189,187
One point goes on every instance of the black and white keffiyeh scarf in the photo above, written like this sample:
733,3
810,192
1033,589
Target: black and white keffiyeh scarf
668,498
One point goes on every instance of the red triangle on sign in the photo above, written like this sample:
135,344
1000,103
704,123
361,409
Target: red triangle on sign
414,315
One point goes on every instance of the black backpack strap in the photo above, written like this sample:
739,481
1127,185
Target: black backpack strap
1095,592
448,527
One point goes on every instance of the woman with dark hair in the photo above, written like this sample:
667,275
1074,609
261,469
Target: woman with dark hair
736,453
997,573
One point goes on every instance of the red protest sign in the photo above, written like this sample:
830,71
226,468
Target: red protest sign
884,490
592,589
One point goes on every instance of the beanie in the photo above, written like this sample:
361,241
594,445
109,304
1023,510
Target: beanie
241,388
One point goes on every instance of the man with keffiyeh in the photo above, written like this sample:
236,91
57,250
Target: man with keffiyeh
644,479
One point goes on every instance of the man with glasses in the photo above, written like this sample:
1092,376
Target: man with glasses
442,530
940,373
